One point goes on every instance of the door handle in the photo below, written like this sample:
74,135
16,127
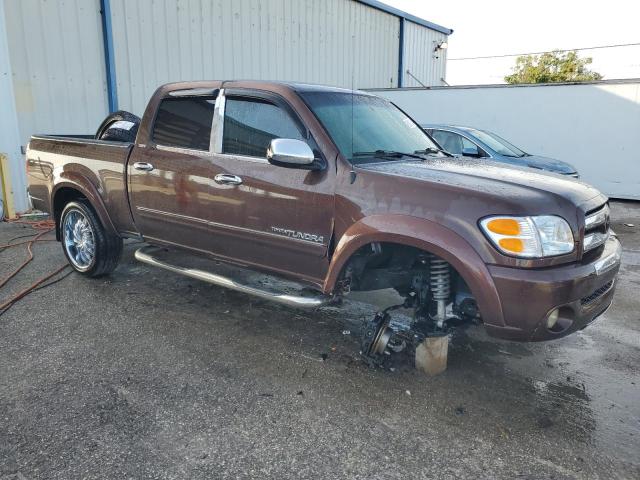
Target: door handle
227,179
144,166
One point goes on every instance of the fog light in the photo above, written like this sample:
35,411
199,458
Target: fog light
552,319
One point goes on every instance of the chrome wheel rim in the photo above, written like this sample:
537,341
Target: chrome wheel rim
79,240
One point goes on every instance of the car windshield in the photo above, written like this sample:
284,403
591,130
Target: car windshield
498,144
366,128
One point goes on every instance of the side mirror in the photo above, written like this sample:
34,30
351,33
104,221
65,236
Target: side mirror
290,153
471,152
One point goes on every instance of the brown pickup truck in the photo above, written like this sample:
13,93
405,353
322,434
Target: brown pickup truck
336,190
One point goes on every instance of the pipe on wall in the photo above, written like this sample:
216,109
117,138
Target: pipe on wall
401,52
109,54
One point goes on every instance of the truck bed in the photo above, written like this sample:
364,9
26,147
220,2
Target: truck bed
80,159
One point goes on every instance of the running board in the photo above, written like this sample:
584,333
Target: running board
146,255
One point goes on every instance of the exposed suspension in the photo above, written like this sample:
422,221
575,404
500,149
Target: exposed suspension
436,300
440,286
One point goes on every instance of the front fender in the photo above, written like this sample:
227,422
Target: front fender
425,235
83,185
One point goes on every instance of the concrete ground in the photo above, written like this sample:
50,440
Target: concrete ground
147,374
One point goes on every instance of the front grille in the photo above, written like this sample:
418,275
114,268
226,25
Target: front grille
596,228
597,294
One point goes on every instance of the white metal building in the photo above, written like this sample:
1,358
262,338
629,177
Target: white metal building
64,64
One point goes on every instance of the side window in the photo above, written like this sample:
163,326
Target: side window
251,124
469,145
449,141
184,122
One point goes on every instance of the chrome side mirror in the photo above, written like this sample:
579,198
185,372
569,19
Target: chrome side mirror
287,152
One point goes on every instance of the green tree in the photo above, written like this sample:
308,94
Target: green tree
552,67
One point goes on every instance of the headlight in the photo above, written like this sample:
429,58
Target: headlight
529,237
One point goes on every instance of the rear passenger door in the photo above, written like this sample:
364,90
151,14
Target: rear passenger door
169,177
271,217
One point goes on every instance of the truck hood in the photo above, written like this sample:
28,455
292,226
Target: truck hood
494,178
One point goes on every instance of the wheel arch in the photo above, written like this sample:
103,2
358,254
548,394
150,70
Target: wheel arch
427,236
73,188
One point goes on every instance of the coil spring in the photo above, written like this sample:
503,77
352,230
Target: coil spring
439,278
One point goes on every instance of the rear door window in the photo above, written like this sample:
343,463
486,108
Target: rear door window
250,124
184,122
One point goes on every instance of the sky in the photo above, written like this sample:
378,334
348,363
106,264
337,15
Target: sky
494,27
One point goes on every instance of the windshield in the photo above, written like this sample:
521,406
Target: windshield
361,125
498,144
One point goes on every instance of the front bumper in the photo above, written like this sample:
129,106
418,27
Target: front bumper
581,293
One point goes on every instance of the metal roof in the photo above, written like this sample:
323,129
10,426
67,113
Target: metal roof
407,16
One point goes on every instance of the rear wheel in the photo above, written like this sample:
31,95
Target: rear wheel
90,249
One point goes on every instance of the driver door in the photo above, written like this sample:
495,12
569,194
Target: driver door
270,217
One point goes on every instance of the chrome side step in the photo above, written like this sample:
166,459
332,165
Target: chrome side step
146,255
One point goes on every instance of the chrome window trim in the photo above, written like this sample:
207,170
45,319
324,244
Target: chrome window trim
188,151
245,158
218,123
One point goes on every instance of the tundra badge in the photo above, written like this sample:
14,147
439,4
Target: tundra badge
309,237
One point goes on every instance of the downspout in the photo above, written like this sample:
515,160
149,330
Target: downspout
109,56
401,52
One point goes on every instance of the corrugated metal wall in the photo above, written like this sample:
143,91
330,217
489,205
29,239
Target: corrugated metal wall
419,56
334,42
9,132
57,59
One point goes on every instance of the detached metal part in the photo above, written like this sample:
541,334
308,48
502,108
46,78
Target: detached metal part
375,339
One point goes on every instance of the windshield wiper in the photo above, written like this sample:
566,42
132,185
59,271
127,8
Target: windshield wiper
387,154
429,150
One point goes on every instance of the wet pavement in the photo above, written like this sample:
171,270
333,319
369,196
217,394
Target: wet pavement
147,374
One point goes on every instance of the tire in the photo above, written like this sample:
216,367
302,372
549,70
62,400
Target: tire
120,126
89,248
